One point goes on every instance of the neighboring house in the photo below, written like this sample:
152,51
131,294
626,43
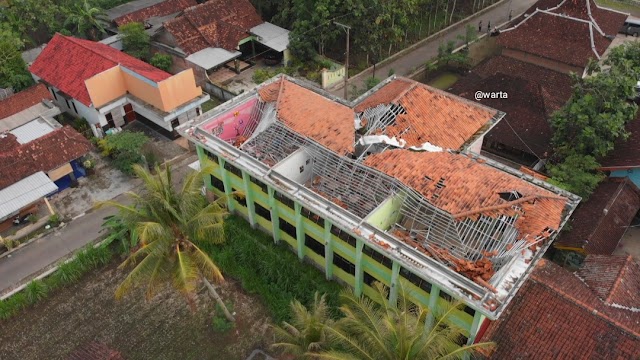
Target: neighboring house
624,159
31,170
534,93
208,36
30,112
386,188
592,314
109,88
599,223
561,35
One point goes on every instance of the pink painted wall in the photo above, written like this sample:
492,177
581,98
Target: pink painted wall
232,123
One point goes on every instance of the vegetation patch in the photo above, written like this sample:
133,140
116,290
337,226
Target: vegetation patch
124,149
269,270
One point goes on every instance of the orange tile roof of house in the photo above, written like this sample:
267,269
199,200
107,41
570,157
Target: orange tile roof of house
310,114
615,279
468,188
164,8
431,115
557,316
23,100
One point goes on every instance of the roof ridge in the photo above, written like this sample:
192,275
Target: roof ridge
615,284
583,305
507,204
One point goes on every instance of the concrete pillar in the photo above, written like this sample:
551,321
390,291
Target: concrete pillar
359,271
275,216
248,194
393,290
201,158
328,250
299,230
227,185
478,318
433,304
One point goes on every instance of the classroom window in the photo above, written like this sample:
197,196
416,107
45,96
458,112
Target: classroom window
240,198
262,185
217,183
341,234
313,217
213,157
261,211
469,310
446,296
284,200
415,280
232,169
288,228
378,257
314,245
368,279
344,264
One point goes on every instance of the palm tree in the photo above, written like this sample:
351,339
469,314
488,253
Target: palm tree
171,226
306,335
85,19
372,331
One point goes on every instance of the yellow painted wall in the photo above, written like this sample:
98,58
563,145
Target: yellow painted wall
178,90
142,90
106,86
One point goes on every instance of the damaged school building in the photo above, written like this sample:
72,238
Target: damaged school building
387,188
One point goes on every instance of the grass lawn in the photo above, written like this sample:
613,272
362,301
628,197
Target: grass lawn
163,328
210,104
633,9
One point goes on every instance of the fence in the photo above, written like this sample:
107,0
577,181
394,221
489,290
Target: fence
218,92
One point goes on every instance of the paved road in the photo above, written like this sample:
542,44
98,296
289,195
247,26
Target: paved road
49,249
429,50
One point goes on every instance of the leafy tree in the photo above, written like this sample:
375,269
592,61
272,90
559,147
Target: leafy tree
577,174
85,20
306,335
29,17
446,56
595,115
135,41
124,148
13,69
171,225
161,61
470,35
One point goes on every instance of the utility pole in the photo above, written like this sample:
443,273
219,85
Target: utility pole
346,63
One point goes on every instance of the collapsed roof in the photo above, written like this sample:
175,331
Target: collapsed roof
462,210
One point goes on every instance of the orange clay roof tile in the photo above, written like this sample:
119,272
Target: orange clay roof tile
468,188
432,116
311,114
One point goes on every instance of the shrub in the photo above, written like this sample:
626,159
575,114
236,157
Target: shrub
161,61
68,273
135,41
124,148
35,291
54,220
33,218
220,322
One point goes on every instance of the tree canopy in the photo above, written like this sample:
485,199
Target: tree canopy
135,41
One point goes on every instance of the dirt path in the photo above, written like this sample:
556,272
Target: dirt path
163,328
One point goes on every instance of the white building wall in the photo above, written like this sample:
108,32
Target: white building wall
296,167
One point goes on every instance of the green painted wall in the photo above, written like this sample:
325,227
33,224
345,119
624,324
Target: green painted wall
386,214
382,217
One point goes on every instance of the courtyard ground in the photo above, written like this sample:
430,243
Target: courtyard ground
163,328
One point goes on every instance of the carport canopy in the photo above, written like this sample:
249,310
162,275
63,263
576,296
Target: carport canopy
25,192
271,36
210,58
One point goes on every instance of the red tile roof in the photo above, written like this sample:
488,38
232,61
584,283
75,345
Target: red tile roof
625,153
164,8
598,224
553,37
465,187
556,316
95,351
431,115
534,93
45,153
67,62
615,279
305,112
23,100
216,23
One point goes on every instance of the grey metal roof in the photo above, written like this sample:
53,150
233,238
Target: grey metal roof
130,7
271,36
209,58
39,110
25,192
32,130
